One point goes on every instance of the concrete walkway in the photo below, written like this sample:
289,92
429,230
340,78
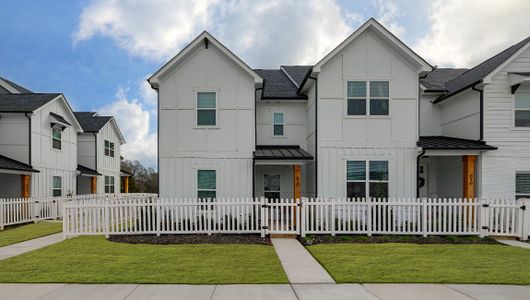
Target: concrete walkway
27,246
261,291
515,243
299,265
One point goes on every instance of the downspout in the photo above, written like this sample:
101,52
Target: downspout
29,138
316,133
255,138
481,92
418,172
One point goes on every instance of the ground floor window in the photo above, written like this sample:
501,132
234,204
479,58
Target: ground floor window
206,184
367,178
57,186
109,184
271,186
522,185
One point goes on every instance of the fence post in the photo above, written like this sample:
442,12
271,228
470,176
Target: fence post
332,217
65,222
209,216
263,214
302,217
158,217
36,205
2,204
424,216
483,224
369,216
525,208
106,212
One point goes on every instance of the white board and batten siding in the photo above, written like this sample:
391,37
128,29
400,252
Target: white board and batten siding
460,115
342,137
185,147
294,112
106,165
14,140
513,155
52,162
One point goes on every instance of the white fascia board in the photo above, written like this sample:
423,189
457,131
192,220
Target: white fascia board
198,41
8,87
451,152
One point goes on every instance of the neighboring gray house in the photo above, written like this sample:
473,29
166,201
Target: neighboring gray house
98,155
372,118
38,143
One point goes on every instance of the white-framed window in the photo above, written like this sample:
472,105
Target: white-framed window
109,148
367,178
271,186
206,109
522,185
57,186
109,184
56,138
206,184
278,123
367,98
521,109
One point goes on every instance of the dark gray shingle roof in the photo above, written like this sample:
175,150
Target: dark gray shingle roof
7,163
24,102
451,143
297,73
17,87
87,171
277,85
281,152
436,80
90,121
477,73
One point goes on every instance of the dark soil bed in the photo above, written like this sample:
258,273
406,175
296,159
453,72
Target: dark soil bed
379,239
192,239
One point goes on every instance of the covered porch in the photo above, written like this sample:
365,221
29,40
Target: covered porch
447,167
87,180
15,178
279,172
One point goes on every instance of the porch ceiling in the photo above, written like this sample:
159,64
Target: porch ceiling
451,143
277,152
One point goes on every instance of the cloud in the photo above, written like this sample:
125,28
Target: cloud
264,34
133,118
464,33
388,13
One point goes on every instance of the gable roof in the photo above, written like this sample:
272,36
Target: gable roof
22,103
92,122
373,24
9,87
203,39
277,85
436,80
476,74
7,163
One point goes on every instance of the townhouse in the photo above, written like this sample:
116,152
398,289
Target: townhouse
370,119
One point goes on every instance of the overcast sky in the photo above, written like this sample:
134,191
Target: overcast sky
99,53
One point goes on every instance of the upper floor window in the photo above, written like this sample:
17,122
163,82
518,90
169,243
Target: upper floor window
278,123
57,188
206,109
522,109
368,98
522,185
56,138
109,148
359,185
109,184
206,184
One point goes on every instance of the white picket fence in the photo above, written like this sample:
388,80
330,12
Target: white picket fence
151,215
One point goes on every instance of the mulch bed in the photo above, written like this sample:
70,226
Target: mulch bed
192,239
363,239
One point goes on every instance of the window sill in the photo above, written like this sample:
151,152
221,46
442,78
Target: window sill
367,117
521,128
206,127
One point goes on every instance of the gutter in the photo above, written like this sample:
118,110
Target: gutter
481,93
29,138
316,130
443,97
418,172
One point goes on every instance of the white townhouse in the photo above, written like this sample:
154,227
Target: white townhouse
38,143
98,154
370,119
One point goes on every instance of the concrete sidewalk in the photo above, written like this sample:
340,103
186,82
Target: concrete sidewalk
515,243
298,264
263,291
27,246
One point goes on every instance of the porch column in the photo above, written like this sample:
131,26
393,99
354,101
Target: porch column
297,174
469,176
126,184
93,184
25,180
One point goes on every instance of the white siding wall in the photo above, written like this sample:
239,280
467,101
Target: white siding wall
48,161
310,143
460,115
228,145
14,136
108,166
343,137
294,120
499,167
430,123
86,150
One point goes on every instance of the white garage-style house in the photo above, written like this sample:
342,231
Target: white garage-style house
371,119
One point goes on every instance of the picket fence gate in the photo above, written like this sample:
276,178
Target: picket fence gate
403,216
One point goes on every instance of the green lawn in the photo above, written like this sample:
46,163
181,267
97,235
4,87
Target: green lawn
13,235
96,260
396,263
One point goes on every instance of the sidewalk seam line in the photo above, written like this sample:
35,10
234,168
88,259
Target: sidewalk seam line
213,292
368,291
460,292
58,288
132,291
